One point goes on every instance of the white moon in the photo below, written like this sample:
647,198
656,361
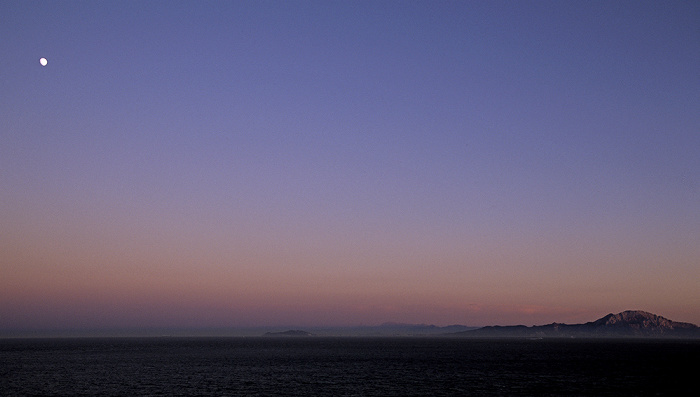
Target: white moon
43,61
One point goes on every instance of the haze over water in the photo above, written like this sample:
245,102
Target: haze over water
230,164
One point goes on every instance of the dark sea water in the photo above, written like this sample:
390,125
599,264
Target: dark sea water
347,367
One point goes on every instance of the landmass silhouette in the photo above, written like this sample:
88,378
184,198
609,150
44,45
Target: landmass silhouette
629,323
626,324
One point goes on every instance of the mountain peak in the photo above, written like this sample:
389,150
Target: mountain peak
637,319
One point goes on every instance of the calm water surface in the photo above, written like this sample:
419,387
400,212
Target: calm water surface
346,367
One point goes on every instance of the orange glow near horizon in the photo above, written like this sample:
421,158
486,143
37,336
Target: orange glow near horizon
136,281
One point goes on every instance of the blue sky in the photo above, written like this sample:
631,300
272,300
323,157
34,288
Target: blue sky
348,162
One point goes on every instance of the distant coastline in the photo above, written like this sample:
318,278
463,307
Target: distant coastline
627,324
291,333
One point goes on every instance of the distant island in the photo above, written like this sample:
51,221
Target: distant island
630,323
292,332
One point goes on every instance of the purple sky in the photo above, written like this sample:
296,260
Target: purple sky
233,163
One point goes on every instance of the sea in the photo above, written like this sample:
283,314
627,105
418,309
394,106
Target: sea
348,366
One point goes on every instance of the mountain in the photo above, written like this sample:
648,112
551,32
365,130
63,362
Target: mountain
630,323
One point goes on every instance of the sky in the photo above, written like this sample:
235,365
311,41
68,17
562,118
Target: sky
327,163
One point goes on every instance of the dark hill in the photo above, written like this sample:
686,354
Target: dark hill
630,323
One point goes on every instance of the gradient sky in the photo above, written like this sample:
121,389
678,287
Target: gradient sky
230,164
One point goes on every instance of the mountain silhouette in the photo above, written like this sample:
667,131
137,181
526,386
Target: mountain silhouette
630,323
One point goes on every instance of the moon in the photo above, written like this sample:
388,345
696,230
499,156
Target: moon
43,61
